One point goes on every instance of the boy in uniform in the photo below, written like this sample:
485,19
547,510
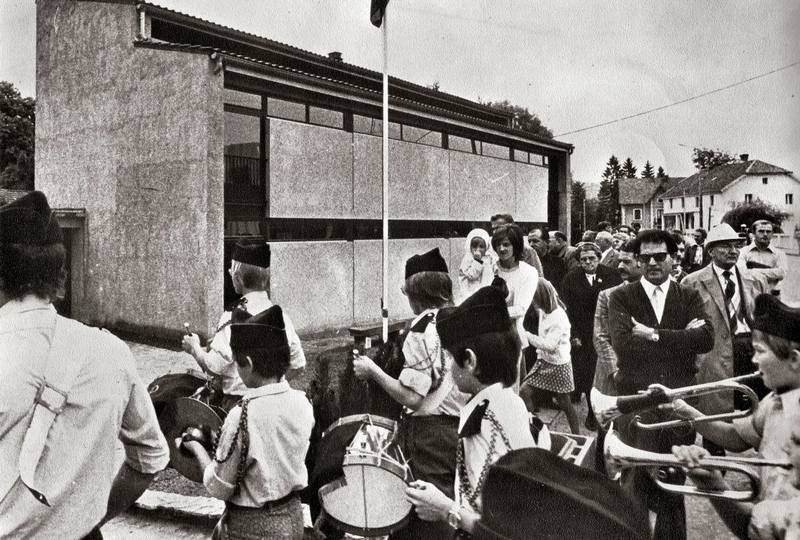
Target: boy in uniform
429,427
258,466
776,328
485,347
250,273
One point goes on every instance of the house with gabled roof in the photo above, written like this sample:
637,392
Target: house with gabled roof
701,200
166,138
639,200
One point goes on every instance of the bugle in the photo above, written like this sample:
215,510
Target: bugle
620,456
608,408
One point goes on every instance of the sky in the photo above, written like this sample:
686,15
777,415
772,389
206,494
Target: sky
575,64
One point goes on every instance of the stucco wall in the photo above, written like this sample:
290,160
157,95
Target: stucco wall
318,172
774,192
134,136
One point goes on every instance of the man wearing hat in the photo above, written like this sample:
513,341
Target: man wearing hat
771,429
429,426
728,292
250,275
68,392
258,465
485,348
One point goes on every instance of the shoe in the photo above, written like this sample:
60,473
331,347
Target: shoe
591,422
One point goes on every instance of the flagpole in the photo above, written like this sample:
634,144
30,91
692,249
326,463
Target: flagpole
385,294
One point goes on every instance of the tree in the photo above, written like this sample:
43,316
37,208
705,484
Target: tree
628,170
17,121
747,213
578,207
647,171
523,118
706,158
608,196
661,173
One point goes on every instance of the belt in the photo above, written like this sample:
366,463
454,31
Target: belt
269,505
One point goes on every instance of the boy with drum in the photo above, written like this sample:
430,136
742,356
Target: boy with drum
429,427
485,346
258,466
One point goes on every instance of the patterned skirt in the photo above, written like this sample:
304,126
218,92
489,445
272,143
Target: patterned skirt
555,378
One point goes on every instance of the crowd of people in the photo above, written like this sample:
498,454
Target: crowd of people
531,320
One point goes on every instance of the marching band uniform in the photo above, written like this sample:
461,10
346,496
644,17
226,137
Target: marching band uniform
258,466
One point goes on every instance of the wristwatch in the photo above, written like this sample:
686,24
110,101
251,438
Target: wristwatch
454,517
654,337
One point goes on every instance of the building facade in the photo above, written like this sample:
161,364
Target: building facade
162,139
640,202
701,200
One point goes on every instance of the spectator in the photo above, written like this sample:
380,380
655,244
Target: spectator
553,266
528,255
678,273
608,255
475,270
561,249
605,226
764,259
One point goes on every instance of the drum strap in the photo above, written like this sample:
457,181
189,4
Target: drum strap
57,380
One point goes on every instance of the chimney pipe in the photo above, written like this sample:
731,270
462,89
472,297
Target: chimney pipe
336,56
744,157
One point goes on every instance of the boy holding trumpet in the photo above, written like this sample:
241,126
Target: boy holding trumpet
773,429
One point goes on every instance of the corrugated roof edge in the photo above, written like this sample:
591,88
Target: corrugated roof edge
203,49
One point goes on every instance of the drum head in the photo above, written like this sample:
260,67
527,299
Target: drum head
369,501
179,415
171,386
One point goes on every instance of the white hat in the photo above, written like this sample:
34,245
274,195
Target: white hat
722,233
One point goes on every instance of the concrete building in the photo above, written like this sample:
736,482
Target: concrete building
701,200
163,138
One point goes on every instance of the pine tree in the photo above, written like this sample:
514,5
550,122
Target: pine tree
608,196
661,173
647,171
628,170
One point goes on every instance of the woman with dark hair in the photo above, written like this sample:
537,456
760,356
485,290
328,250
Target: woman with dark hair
553,369
580,289
520,277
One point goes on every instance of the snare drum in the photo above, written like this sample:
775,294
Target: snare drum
366,495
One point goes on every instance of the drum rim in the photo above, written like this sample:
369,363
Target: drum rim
372,460
380,421
323,491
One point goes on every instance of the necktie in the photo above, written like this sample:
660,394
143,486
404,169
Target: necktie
730,290
657,302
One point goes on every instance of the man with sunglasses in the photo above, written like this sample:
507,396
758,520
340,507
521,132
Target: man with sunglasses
658,327
728,292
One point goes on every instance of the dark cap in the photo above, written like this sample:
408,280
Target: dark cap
482,313
266,330
431,261
255,253
773,317
29,220
533,493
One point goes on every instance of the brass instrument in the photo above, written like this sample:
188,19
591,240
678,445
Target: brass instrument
608,408
620,456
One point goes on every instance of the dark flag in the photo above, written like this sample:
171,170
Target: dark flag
376,10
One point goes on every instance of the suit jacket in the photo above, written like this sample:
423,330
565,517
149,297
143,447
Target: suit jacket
611,259
581,298
669,361
718,363
606,357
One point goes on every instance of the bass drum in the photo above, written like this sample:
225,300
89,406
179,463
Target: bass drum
171,386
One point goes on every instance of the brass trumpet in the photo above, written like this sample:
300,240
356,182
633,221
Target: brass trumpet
608,408
620,456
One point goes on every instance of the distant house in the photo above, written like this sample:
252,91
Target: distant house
639,200
702,199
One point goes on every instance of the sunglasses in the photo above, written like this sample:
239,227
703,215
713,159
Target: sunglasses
644,258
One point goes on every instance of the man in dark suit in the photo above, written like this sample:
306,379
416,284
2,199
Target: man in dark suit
658,327
608,255
579,292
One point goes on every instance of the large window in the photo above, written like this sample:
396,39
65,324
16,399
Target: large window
245,204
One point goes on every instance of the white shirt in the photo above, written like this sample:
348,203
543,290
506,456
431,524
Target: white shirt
591,278
522,282
658,302
220,356
513,417
279,423
107,403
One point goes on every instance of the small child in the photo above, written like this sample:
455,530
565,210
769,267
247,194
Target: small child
475,270
258,467
776,328
485,347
